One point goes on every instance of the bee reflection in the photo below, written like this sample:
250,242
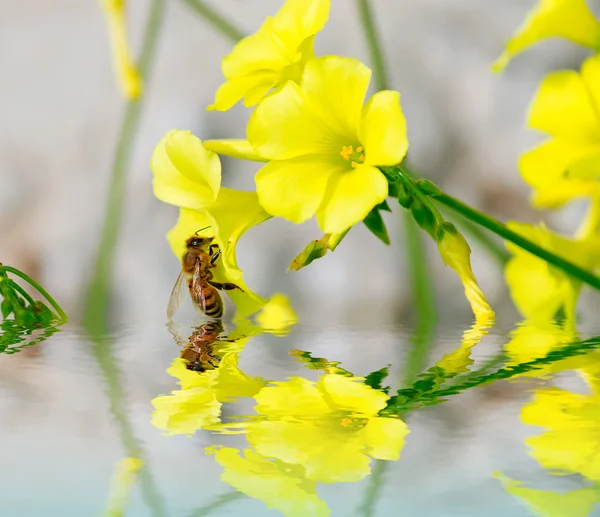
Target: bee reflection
201,351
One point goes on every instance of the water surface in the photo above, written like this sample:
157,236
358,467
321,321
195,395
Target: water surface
79,414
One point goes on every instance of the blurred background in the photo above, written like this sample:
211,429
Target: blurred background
61,117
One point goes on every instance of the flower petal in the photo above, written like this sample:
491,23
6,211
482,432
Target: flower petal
590,73
383,129
352,394
384,437
294,189
350,197
280,485
296,397
335,90
569,19
562,107
260,51
185,173
234,147
300,19
282,126
232,90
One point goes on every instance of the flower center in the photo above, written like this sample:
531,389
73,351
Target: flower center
354,421
352,155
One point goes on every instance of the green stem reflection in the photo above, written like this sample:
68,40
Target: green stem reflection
38,287
103,353
217,502
503,231
217,20
95,315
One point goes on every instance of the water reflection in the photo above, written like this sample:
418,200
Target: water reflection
292,421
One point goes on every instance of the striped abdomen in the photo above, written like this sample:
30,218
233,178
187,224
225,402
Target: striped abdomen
208,299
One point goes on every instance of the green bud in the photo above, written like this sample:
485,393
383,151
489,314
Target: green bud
424,217
6,308
429,188
24,317
43,312
405,197
446,228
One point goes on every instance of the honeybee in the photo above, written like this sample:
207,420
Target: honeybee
196,264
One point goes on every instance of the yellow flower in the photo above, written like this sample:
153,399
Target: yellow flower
567,165
121,486
538,289
198,403
185,173
280,485
325,146
456,253
569,19
189,176
130,80
572,440
276,53
575,503
330,428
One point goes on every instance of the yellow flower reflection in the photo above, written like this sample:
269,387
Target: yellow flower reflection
575,503
569,19
121,486
331,428
571,442
277,52
280,485
198,403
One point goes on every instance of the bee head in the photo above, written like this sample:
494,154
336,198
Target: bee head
198,242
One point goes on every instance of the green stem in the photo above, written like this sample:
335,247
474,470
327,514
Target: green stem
217,20
39,288
372,39
96,310
421,287
21,291
503,231
423,299
486,241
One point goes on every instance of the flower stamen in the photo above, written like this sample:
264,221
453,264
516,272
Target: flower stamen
354,156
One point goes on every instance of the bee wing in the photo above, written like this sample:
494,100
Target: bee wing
176,295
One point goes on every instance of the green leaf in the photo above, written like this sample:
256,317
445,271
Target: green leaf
374,222
424,217
374,379
317,249
314,250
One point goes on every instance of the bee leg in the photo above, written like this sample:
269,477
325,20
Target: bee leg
225,286
214,258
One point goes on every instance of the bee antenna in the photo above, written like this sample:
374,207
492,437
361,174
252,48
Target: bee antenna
198,231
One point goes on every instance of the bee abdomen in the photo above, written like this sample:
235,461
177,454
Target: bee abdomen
214,304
